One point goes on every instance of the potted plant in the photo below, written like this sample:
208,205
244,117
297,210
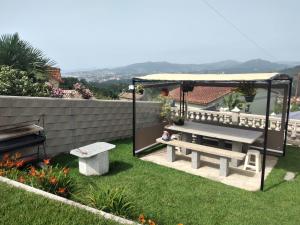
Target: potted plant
178,120
187,86
164,92
139,89
248,90
166,109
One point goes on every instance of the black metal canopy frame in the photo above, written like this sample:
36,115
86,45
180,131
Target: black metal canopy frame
280,81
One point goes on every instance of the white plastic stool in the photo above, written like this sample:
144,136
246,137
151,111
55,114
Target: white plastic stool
176,137
256,164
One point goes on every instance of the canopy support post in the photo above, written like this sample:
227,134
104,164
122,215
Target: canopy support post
133,117
269,82
287,115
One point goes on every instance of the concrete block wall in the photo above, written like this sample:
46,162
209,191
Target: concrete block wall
71,123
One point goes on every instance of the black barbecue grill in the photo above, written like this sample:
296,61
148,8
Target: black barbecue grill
20,137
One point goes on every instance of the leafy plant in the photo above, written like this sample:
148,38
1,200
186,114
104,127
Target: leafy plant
19,83
247,88
20,54
232,100
166,109
50,178
111,200
139,89
178,120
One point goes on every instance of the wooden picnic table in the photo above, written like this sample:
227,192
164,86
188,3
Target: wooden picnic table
238,137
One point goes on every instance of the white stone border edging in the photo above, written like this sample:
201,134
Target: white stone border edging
66,201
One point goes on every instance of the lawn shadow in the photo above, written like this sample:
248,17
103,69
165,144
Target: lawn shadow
116,167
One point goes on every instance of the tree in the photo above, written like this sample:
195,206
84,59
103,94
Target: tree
19,83
20,54
232,100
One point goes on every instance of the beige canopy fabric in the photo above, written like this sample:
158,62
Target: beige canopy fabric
209,77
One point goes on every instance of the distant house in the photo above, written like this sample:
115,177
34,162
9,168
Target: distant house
128,96
203,97
54,76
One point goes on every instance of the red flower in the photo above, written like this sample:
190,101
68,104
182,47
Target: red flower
53,180
66,170
32,171
2,172
61,190
42,174
20,163
47,161
10,164
151,222
142,219
18,155
5,156
21,179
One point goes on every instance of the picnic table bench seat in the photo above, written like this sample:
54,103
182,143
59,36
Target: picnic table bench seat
197,149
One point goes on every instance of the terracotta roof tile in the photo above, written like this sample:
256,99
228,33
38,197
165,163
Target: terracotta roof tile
202,95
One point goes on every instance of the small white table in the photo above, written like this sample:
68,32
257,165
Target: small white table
93,158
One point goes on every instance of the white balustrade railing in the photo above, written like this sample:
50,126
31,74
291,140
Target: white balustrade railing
244,120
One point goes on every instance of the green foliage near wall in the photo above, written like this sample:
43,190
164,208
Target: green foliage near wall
20,83
103,90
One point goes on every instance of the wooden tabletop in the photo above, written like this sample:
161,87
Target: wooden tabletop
219,132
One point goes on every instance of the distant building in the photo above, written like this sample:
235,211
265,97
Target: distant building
203,97
54,76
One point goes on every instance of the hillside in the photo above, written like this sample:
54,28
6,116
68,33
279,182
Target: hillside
138,69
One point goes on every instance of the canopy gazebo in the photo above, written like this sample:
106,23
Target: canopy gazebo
143,139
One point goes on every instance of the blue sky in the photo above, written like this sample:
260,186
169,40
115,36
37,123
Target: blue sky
96,33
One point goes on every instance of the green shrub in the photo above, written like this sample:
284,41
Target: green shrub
19,83
111,200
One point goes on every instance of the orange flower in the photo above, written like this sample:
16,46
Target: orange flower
2,172
180,224
142,219
18,155
66,170
21,179
10,164
5,156
42,174
53,180
151,222
20,163
47,161
61,190
32,171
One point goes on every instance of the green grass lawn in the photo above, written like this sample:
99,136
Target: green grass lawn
20,207
167,195
172,197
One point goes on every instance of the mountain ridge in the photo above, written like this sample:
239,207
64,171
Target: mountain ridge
138,69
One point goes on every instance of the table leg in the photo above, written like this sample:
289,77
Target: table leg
224,167
95,165
186,138
170,153
236,147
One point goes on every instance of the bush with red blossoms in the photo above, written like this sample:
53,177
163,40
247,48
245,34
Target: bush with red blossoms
85,92
57,93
